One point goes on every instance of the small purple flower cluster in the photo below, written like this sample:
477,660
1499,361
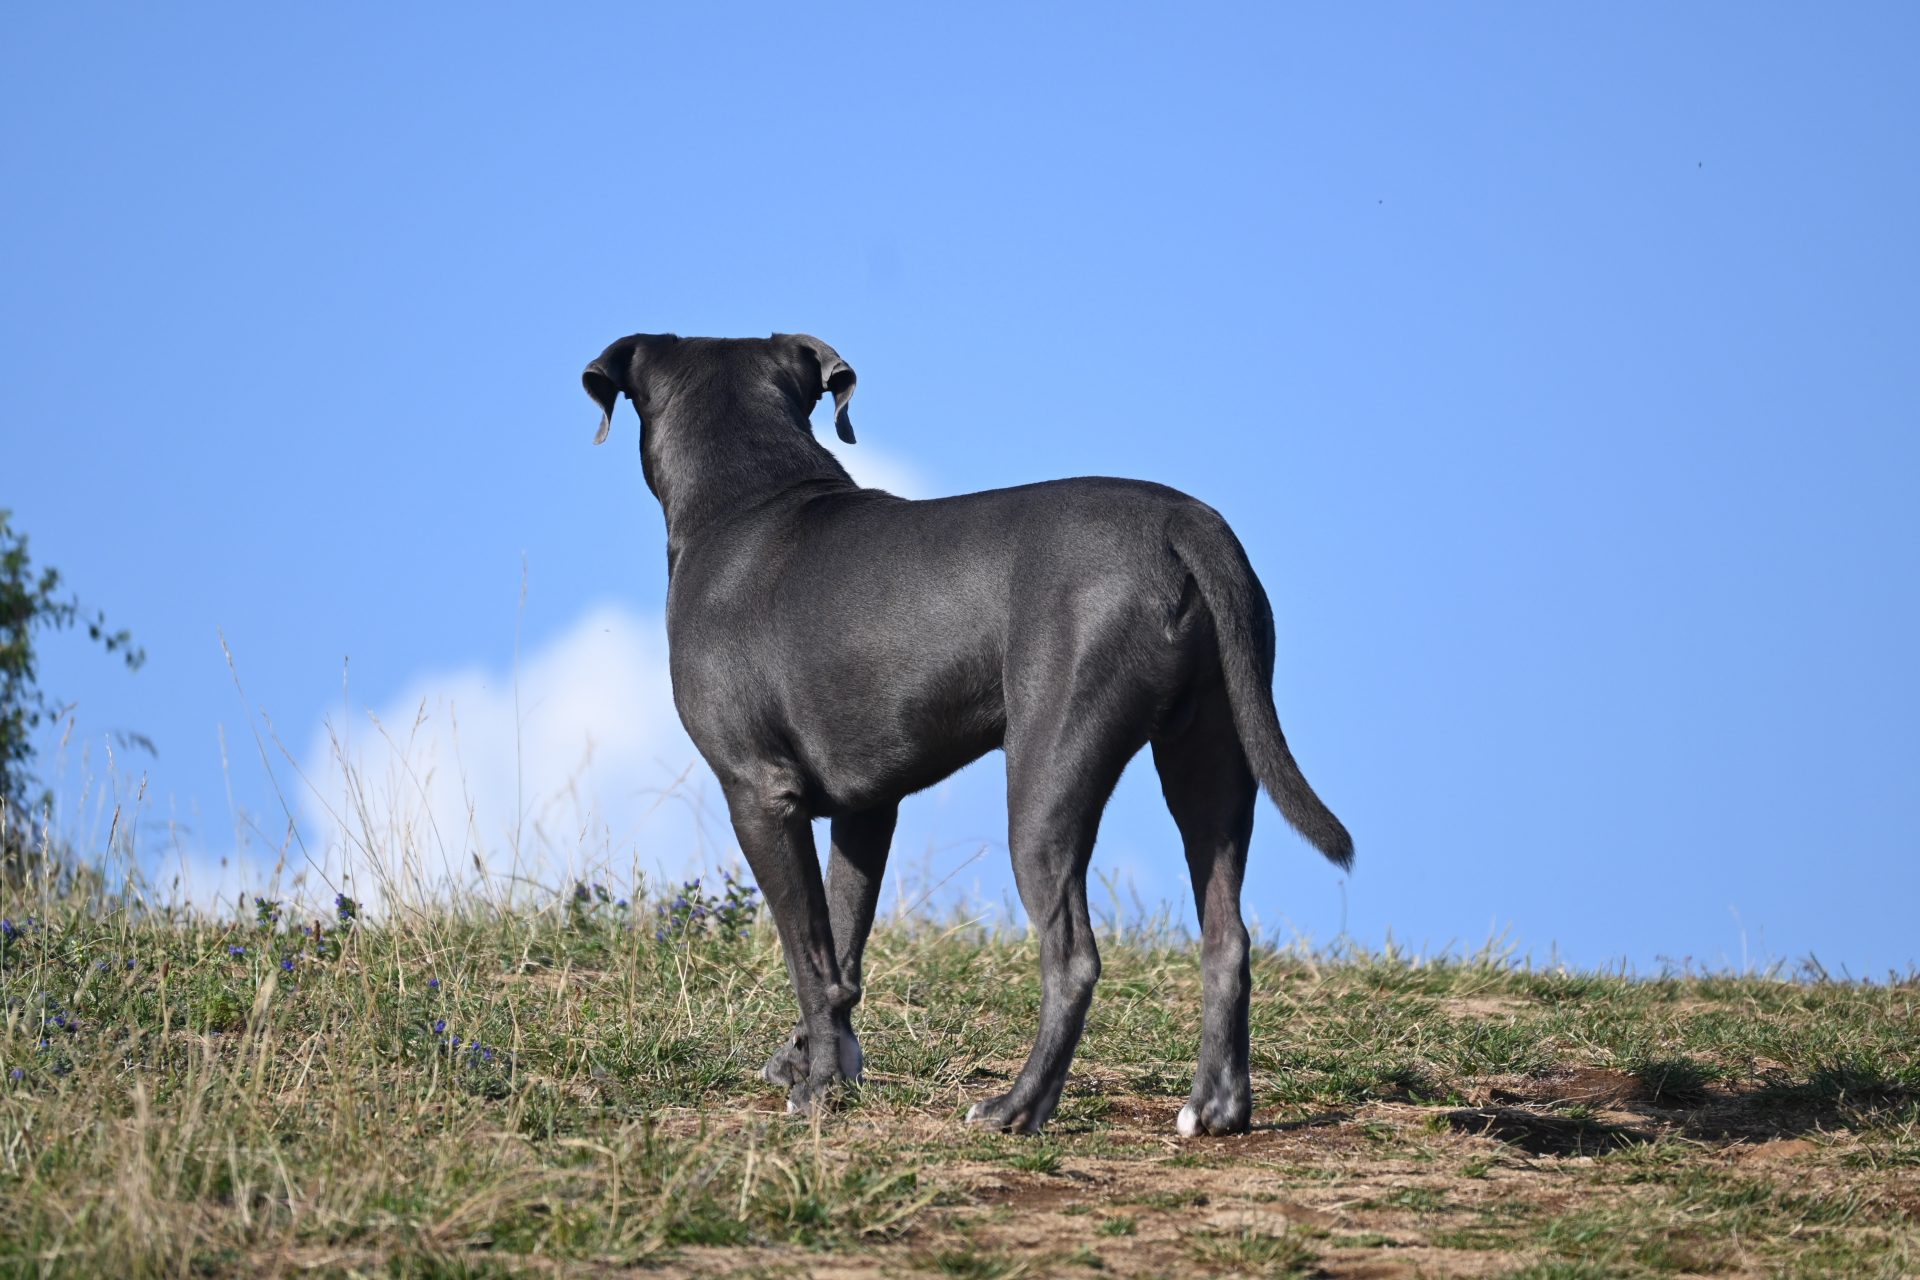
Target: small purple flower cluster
313,944
584,907
53,1020
696,913
49,1022
237,951
463,1052
267,916
12,935
471,1050
323,946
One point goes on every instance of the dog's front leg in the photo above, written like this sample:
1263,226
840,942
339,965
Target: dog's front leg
854,870
777,838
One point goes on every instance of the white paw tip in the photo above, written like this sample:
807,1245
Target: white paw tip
973,1113
792,1110
1189,1122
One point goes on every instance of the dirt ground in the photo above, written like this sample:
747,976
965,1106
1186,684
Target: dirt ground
1551,1176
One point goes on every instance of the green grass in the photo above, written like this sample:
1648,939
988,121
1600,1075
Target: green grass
186,1103
1254,1253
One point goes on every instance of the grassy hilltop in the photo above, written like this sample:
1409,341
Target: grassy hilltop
573,1090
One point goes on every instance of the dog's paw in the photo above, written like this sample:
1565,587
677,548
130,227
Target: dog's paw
1004,1115
1215,1113
813,1097
788,1065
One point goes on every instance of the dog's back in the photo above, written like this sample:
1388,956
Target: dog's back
896,626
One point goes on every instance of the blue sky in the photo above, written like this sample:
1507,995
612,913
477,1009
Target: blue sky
1556,366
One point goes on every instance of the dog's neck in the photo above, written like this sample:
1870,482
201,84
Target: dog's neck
708,463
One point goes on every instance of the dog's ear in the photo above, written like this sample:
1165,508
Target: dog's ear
833,375
605,394
620,368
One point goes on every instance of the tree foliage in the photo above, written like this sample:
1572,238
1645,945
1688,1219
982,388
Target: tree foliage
32,601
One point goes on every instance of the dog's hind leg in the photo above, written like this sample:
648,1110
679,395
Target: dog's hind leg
859,859
777,838
1211,792
1058,780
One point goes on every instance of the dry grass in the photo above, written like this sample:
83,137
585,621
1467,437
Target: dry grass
183,1109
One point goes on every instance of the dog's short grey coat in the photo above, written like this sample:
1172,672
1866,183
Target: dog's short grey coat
835,648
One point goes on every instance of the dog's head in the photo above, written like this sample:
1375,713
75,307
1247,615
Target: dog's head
653,368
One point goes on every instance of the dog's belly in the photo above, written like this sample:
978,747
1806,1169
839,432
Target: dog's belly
834,791
861,771
890,734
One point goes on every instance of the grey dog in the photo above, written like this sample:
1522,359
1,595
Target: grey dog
835,649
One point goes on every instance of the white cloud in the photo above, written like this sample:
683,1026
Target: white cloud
464,781
877,469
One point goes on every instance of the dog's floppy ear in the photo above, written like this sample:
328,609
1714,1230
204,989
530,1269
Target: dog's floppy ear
618,369
836,376
605,394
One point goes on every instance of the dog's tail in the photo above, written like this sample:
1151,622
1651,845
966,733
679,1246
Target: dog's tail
1243,622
